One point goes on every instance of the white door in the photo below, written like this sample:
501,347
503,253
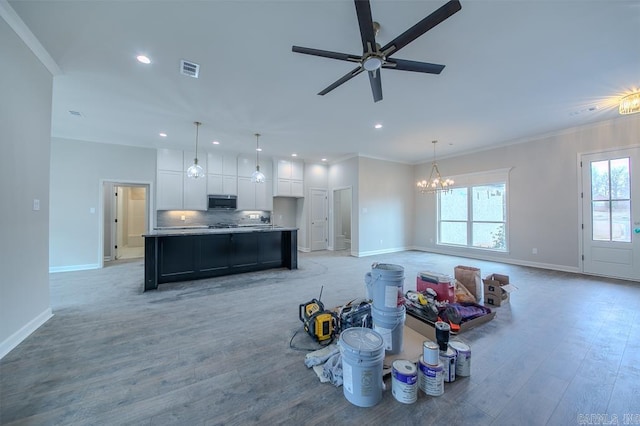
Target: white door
318,219
610,212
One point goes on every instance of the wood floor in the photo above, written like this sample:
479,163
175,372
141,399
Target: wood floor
565,350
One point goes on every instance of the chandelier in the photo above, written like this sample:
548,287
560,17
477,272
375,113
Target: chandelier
435,183
195,171
257,176
630,104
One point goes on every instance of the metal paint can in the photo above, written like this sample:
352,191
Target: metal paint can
404,381
430,352
463,358
448,359
431,378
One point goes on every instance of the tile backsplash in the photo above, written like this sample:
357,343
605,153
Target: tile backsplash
167,218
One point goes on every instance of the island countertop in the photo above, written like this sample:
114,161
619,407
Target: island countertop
196,230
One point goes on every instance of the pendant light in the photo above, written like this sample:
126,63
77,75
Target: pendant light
195,171
436,183
258,176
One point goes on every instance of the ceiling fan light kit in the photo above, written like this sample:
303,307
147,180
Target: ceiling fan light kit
374,57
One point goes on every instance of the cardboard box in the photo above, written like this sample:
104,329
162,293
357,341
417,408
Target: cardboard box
497,289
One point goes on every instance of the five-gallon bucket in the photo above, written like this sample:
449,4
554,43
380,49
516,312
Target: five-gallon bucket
362,351
390,325
385,286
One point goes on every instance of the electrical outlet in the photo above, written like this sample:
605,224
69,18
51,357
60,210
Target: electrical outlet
36,204
183,218
534,251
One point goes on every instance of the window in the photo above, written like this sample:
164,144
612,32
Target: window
474,215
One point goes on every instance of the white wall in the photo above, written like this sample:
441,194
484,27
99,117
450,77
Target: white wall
543,199
386,206
77,171
25,129
284,211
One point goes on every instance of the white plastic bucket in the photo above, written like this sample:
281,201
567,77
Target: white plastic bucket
390,325
385,286
362,351
463,358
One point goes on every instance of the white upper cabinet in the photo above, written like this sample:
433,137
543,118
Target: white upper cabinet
174,190
247,165
288,181
222,174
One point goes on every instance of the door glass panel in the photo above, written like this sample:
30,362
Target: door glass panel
620,179
621,221
601,219
453,233
600,180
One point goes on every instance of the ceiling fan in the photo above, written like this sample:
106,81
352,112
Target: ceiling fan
375,57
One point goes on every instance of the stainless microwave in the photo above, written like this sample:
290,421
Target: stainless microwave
228,202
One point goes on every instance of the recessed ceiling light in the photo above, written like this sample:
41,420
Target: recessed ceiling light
143,59
259,149
294,155
324,159
215,143
162,134
378,126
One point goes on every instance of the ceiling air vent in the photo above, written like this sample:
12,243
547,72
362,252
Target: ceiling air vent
189,68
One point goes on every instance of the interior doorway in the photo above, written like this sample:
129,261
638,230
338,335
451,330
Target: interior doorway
342,219
126,213
319,219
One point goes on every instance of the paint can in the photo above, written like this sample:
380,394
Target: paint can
362,351
448,359
442,334
463,358
385,286
430,352
390,325
404,381
430,378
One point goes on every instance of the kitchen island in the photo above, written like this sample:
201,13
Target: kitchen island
190,254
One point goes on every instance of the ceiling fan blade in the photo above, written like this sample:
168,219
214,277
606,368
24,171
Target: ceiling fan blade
326,54
376,84
405,65
421,27
342,80
363,10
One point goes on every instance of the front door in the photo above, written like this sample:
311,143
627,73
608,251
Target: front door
611,213
318,219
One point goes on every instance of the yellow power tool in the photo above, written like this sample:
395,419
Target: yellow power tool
319,323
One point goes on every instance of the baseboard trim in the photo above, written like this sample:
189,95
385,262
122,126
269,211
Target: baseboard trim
16,338
304,249
375,252
69,268
519,262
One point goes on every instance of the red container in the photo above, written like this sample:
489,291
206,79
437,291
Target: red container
443,285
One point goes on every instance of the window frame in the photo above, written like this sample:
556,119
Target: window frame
471,181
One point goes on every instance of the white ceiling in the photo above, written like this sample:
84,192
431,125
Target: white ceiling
514,69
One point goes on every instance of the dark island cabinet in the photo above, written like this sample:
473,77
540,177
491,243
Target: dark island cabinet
191,256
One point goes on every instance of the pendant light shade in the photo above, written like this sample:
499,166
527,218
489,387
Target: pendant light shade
195,171
435,183
257,176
